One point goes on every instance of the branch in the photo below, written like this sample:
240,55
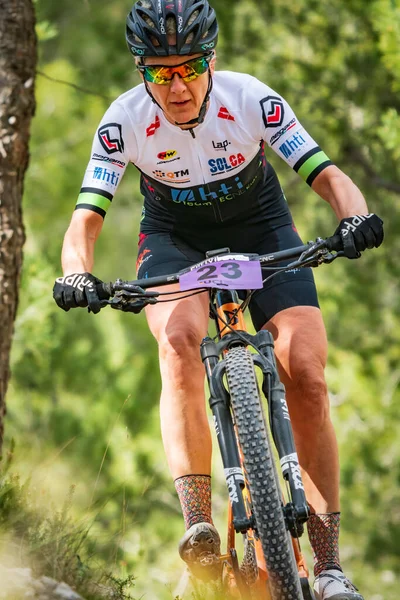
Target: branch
73,85
356,155
392,186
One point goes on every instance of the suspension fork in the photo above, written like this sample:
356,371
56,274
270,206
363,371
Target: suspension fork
296,512
228,304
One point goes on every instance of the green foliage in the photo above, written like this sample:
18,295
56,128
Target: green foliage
83,399
52,543
46,31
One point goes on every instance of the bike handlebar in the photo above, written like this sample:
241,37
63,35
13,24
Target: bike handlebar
104,290
334,243
311,254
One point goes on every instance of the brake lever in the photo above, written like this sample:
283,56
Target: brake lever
321,256
124,287
103,304
312,261
131,304
314,247
329,258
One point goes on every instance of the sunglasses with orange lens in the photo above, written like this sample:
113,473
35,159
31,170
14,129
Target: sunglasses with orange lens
189,70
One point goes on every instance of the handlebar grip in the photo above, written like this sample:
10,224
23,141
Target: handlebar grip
104,290
335,243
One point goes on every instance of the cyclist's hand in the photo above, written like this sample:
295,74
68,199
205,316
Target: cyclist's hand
360,232
76,290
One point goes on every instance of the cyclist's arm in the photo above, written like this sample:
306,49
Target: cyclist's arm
113,147
279,127
342,194
79,242
284,134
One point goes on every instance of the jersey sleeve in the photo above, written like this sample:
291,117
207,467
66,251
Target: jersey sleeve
113,147
282,131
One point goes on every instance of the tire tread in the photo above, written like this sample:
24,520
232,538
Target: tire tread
264,488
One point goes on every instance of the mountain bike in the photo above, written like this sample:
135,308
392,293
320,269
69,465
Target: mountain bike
270,522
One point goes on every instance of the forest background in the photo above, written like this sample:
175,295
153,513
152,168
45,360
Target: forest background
83,397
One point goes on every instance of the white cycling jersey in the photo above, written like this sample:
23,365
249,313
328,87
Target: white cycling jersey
217,171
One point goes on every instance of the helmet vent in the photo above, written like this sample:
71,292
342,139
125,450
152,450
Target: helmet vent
167,27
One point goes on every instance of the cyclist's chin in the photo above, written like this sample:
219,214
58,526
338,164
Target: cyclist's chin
182,112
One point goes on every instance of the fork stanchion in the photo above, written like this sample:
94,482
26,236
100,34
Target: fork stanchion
219,404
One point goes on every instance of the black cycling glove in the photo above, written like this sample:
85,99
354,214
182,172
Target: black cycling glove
360,232
76,290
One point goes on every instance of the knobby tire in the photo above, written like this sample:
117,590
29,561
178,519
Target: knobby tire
264,487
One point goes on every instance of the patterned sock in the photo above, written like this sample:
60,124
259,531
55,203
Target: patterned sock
194,493
323,533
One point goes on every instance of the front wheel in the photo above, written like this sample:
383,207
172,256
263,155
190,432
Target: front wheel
265,493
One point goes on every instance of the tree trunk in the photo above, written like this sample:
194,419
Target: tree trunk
18,57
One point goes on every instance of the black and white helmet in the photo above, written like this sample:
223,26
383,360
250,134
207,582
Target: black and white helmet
165,27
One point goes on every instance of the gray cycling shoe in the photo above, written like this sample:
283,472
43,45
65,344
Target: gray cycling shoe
200,548
333,585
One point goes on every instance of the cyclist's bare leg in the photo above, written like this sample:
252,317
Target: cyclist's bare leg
301,347
179,328
301,350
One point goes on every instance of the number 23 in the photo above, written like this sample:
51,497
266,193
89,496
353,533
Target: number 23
233,272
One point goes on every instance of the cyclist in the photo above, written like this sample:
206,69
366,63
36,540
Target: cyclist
198,139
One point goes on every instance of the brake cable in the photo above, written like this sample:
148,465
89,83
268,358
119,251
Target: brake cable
181,297
301,262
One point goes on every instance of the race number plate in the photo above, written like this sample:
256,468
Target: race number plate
225,274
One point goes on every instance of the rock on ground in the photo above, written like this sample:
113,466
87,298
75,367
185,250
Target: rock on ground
20,583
